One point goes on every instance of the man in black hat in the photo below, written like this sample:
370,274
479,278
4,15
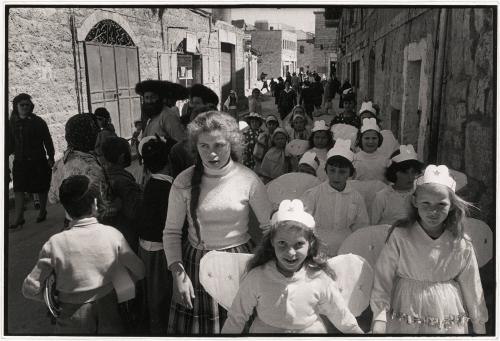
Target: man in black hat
158,107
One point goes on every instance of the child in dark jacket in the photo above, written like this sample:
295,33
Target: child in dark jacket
116,152
153,214
84,260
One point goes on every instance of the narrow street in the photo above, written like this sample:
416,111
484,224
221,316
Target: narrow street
27,316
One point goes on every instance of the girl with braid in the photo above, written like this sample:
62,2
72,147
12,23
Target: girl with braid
215,195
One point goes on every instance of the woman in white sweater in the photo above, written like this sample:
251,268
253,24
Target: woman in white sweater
215,195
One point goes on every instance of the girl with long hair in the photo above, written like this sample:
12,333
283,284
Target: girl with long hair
426,277
215,197
286,282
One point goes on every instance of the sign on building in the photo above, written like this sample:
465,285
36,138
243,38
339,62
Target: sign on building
184,66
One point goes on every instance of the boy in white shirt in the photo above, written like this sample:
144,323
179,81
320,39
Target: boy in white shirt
337,208
83,259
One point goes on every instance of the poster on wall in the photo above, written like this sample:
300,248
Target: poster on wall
184,66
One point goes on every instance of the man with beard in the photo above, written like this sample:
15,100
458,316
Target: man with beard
201,99
159,110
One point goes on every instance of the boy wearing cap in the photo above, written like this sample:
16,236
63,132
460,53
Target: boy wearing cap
152,217
83,260
337,208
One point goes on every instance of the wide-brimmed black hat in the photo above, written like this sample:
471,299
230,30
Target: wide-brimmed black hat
164,89
207,95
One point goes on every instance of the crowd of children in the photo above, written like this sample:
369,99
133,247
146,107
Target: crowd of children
426,278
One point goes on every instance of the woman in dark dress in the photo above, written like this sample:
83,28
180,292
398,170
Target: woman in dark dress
31,144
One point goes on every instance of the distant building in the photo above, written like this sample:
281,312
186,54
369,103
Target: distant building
278,48
305,51
432,71
325,44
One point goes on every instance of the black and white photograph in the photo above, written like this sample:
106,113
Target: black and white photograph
250,169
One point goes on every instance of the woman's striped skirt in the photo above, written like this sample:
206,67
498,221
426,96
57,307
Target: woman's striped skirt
206,317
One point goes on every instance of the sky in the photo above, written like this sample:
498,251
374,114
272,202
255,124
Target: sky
300,18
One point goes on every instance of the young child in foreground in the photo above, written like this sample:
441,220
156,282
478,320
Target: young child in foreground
286,283
83,259
426,277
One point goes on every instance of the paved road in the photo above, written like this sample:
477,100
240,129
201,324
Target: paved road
23,315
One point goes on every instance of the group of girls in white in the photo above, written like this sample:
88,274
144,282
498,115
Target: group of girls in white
426,278
433,265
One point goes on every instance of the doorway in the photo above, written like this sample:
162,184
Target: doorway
112,71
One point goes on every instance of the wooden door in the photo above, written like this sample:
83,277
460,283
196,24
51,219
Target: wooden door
112,73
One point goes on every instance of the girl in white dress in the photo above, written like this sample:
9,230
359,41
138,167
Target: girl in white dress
426,277
286,282
369,162
321,141
393,202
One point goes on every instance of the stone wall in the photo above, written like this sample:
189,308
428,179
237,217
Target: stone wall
269,44
466,128
468,115
40,63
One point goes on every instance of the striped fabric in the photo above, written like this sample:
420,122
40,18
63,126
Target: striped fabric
206,317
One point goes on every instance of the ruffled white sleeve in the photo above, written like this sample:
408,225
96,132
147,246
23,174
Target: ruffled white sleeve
385,272
472,291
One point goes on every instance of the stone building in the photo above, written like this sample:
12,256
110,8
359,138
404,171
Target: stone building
74,60
432,72
325,43
278,48
305,51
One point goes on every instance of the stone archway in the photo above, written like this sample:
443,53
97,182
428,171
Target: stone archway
92,20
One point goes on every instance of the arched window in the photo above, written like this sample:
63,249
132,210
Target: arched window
109,32
301,49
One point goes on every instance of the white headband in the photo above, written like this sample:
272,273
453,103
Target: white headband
319,125
437,175
341,148
369,124
310,158
406,152
293,210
